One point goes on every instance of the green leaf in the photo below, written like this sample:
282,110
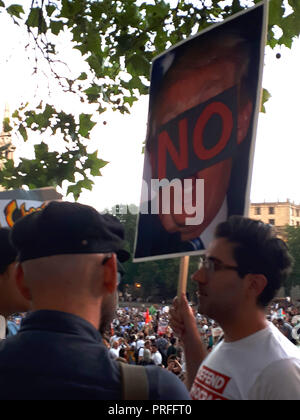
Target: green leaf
95,164
6,125
236,6
86,184
95,62
41,151
15,10
83,76
276,11
33,18
75,190
265,97
16,114
93,93
129,100
56,26
23,132
86,125
138,65
2,4
49,111
50,10
72,8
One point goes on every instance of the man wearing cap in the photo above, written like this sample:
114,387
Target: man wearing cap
67,268
11,300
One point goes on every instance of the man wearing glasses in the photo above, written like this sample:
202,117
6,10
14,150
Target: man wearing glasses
243,269
67,269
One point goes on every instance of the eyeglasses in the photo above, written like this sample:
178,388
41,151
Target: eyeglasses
212,264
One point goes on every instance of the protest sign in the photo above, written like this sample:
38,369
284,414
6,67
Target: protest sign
15,204
162,327
203,108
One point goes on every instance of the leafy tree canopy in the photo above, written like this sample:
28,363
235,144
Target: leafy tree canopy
117,41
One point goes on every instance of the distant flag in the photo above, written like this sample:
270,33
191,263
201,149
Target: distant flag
152,310
147,318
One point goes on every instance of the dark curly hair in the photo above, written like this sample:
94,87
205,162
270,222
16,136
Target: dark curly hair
257,250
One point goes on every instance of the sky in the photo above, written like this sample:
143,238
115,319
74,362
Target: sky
118,138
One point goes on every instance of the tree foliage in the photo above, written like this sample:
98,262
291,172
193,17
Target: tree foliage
117,41
293,242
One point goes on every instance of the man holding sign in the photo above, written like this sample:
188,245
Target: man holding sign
244,267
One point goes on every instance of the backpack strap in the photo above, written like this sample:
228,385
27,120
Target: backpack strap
2,328
134,382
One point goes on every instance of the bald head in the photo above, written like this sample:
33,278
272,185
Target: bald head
77,283
75,273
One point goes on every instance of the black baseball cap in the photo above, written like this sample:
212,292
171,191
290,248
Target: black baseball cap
67,228
7,253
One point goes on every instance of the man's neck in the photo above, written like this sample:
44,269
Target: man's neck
244,325
90,314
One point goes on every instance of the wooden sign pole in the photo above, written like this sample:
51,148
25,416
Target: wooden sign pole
183,273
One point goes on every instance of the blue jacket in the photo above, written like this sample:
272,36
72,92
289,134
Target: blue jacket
59,356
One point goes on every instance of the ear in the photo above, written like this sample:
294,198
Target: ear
257,284
110,274
20,281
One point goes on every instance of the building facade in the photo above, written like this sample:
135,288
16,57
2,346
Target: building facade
277,214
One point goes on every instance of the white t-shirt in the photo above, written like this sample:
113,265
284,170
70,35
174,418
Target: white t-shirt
114,353
113,339
157,358
262,366
139,344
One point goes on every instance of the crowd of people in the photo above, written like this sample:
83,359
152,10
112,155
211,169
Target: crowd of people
138,338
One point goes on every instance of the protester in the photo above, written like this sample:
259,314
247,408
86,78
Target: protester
139,344
68,270
122,356
173,365
286,330
144,356
162,345
172,348
11,300
156,355
131,350
244,267
114,351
